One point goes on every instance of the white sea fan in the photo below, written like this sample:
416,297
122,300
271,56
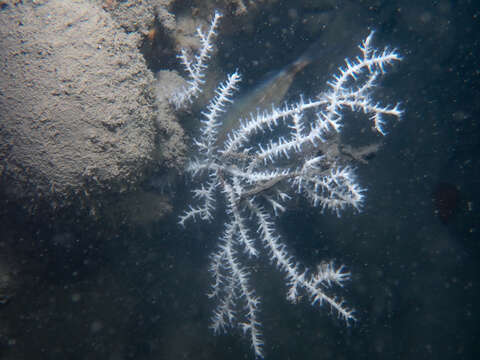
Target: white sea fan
256,179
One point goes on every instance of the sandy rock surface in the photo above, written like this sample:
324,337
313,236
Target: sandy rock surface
76,105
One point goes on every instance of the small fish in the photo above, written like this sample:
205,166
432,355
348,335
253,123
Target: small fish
270,92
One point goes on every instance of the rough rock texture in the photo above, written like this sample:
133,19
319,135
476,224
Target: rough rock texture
172,149
133,16
139,16
76,104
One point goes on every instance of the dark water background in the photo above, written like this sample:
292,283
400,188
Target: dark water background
92,292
